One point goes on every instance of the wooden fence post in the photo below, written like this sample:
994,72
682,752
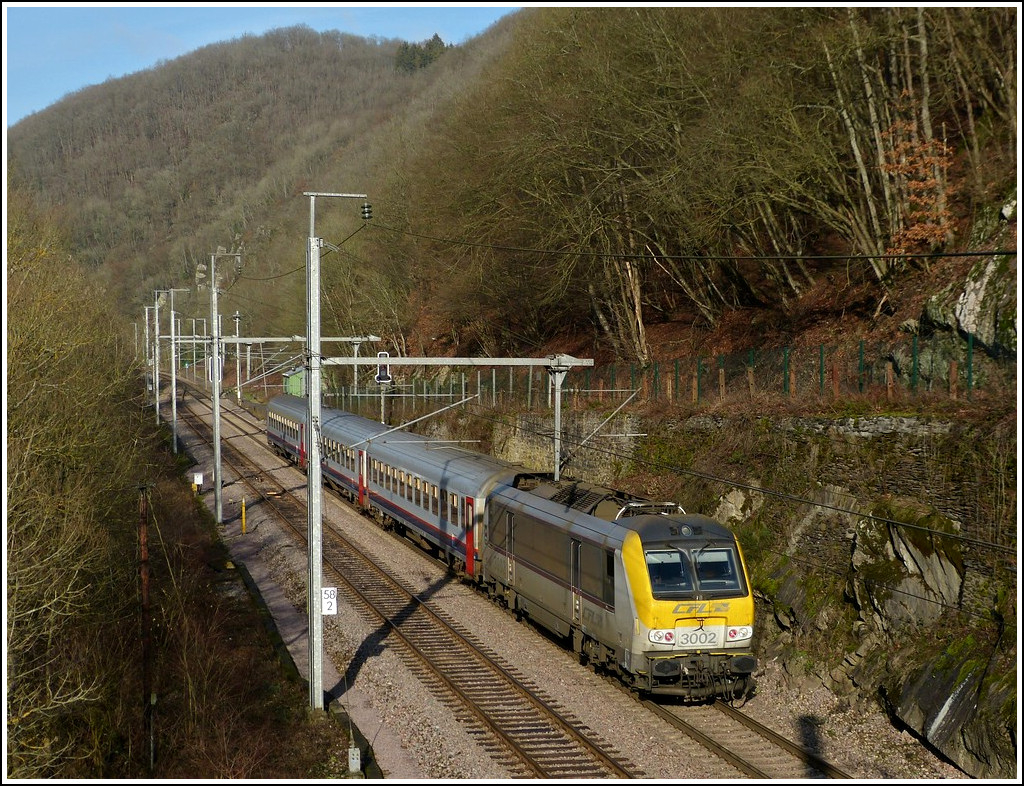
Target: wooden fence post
888,380
721,382
952,379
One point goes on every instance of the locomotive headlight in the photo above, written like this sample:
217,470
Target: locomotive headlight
739,633
666,636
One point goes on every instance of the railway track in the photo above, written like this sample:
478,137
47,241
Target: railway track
525,730
751,747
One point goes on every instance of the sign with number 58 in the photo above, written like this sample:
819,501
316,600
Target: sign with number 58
329,600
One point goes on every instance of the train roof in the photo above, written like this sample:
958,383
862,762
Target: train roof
458,468
455,466
356,428
669,529
607,513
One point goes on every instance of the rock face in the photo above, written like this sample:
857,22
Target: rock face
984,306
888,568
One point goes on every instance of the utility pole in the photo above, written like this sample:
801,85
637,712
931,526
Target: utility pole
149,353
355,341
557,372
312,436
206,354
157,297
174,377
193,347
215,374
238,361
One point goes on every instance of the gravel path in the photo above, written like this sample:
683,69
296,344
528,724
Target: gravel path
413,736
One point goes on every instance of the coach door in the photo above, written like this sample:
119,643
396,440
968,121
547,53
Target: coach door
510,526
471,532
361,470
574,579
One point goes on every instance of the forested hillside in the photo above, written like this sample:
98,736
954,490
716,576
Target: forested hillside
574,172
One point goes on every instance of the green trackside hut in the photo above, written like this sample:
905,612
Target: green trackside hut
295,382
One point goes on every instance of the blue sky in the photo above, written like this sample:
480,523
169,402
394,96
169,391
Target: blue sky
53,49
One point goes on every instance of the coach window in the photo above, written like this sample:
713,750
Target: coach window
433,499
455,508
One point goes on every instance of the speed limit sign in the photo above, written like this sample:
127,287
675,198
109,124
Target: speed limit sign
329,600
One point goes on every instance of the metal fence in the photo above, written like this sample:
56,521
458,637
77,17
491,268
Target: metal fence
916,369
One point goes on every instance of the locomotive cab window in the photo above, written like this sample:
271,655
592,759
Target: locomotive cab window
670,573
717,569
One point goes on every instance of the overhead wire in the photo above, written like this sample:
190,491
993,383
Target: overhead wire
702,258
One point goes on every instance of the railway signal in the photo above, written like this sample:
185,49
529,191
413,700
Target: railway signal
383,369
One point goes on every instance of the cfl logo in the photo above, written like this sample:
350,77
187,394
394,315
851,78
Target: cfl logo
701,609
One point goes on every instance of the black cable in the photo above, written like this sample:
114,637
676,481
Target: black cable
699,258
871,583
